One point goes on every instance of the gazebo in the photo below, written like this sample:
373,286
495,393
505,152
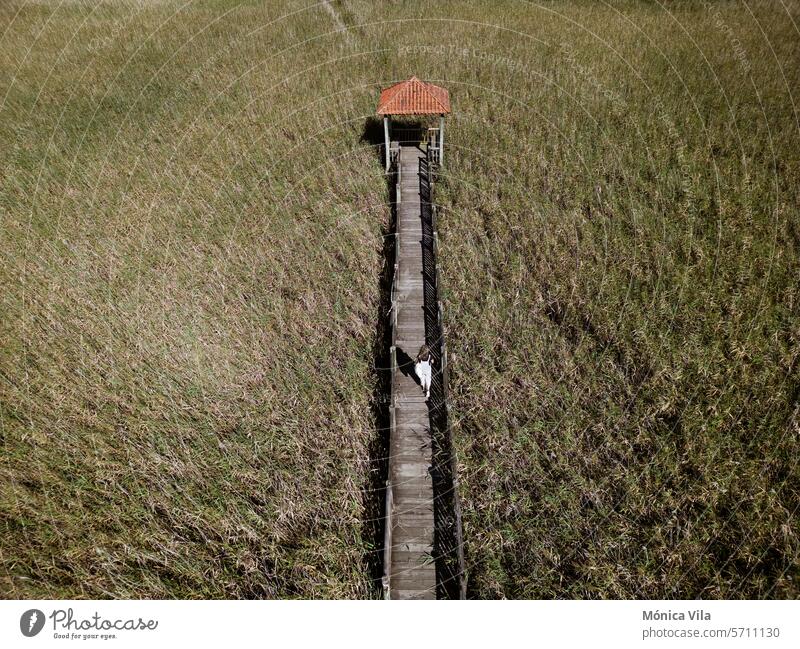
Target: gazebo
415,97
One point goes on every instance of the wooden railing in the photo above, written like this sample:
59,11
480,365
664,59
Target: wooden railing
456,533
433,151
387,536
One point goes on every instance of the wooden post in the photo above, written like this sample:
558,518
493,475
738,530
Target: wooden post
386,139
441,140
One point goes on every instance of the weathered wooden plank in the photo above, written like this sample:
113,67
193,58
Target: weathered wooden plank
414,594
417,577
419,582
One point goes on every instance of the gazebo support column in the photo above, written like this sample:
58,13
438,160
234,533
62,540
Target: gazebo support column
386,139
441,139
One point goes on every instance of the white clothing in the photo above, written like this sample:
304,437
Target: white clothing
423,370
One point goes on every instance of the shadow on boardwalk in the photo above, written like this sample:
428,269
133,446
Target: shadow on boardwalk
447,532
405,364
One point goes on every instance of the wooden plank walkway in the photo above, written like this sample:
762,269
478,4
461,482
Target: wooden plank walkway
412,574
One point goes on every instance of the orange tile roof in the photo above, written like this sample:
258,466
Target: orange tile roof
414,97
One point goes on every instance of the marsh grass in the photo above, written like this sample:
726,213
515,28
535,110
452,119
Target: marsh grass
619,226
190,265
192,236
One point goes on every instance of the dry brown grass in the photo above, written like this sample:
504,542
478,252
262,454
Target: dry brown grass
190,250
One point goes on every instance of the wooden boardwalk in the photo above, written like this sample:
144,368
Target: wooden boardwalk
412,572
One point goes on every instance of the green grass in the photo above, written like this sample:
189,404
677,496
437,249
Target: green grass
190,260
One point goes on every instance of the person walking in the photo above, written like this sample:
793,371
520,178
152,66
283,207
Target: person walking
424,370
